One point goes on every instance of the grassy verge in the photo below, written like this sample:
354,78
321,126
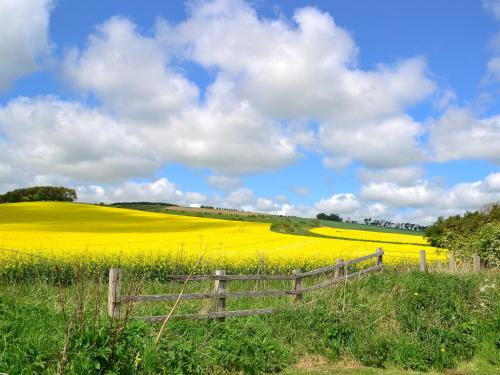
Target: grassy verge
290,225
386,323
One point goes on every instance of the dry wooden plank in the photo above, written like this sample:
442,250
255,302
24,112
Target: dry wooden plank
228,277
319,271
191,296
476,263
339,272
210,315
423,264
114,290
380,258
453,262
341,279
220,288
297,286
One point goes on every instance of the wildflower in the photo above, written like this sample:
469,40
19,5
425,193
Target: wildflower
137,360
415,294
443,349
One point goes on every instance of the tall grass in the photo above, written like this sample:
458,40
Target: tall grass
406,320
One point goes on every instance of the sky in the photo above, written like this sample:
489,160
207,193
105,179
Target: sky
384,109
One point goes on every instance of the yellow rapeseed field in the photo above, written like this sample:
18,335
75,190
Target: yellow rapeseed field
371,236
69,233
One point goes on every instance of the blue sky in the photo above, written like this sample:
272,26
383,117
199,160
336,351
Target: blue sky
386,109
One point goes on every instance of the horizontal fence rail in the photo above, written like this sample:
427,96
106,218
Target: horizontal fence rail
220,294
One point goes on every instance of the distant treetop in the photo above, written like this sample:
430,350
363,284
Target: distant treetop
39,193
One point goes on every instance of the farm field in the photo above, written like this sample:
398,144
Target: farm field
370,236
67,233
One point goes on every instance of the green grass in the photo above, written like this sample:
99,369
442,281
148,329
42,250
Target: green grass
385,323
290,225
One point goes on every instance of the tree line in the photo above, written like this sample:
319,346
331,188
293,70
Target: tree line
39,193
372,222
476,232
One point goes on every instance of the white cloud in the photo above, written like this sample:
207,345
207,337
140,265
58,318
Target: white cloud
492,70
294,70
388,143
240,198
492,6
307,70
129,73
24,37
47,136
492,182
161,190
402,175
457,135
303,191
224,134
337,163
343,204
422,194
224,182
433,198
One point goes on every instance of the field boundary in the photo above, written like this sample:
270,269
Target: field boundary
220,294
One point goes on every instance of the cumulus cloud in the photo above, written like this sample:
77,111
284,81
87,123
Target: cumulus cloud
422,194
492,6
305,68
388,143
458,135
434,198
224,182
492,71
272,77
303,191
24,37
47,136
161,190
131,75
343,204
402,175
240,198
128,72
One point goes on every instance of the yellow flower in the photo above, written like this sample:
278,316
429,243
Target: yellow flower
443,349
71,234
137,360
415,294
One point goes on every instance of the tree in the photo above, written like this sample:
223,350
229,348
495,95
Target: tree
474,232
39,193
331,217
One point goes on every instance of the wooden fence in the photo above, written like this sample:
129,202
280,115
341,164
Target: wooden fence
452,262
220,292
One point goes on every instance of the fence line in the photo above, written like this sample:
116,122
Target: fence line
452,262
220,294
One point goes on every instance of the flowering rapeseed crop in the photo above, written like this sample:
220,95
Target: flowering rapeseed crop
68,233
371,236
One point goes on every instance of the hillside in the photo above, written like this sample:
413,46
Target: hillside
68,231
297,225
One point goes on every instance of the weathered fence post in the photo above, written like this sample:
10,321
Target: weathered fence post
476,263
423,264
114,292
219,288
297,285
380,256
338,273
453,263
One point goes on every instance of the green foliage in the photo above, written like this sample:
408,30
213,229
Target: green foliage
473,233
418,321
39,193
330,217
